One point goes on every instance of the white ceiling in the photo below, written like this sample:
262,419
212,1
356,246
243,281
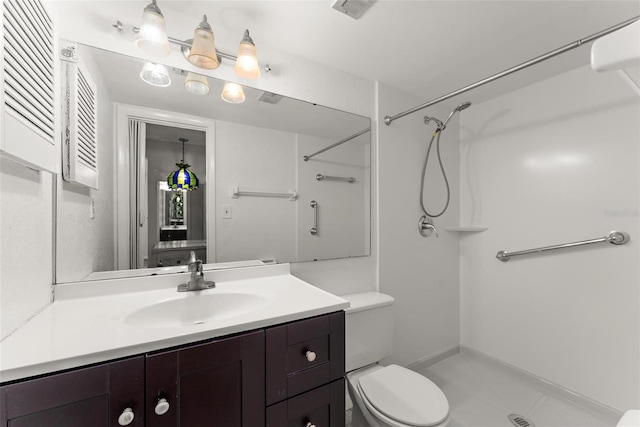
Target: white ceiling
424,47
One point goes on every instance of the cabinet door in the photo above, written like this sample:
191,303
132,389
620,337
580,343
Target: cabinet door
95,397
322,407
220,383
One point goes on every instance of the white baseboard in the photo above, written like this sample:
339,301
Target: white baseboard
434,358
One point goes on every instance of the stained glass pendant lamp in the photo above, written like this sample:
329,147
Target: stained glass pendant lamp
183,178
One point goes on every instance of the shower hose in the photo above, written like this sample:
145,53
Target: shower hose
444,175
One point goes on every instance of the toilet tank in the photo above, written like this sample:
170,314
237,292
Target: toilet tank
369,329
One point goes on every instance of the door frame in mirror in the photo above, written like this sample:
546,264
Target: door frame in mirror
123,113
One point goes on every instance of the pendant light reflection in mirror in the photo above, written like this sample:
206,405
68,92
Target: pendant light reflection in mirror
183,178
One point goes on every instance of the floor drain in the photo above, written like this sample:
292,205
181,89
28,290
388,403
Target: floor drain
520,421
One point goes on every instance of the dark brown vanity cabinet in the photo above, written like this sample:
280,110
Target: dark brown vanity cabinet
220,383
96,396
305,372
287,375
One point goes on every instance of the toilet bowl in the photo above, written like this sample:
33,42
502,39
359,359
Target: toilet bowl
385,396
394,396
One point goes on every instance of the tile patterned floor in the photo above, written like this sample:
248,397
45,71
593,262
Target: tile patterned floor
483,394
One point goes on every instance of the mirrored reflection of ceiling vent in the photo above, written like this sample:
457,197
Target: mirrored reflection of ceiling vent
270,98
353,8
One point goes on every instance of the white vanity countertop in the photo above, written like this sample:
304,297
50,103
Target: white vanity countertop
86,323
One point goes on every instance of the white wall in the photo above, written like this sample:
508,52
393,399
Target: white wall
420,273
26,245
77,255
551,163
259,227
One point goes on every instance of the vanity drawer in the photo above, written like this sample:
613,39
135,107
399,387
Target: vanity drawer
323,406
291,370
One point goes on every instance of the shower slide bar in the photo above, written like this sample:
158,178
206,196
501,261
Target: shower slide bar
342,141
236,193
615,237
349,179
389,119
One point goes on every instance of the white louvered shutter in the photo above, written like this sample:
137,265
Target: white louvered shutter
79,120
28,119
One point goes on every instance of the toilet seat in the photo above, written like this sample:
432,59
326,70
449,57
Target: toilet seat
401,397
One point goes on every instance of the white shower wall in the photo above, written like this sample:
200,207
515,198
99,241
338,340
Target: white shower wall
420,273
555,162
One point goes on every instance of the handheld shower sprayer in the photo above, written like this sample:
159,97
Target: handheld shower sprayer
459,108
439,124
425,225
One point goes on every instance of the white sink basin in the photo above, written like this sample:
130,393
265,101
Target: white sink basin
195,308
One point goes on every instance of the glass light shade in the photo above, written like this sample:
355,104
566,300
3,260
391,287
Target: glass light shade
233,93
196,84
183,178
155,74
247,62
152,37
203,49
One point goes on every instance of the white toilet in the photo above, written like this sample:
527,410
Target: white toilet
385,396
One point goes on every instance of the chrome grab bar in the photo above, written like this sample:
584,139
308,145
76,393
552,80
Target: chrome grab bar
321,177
615,237
314,206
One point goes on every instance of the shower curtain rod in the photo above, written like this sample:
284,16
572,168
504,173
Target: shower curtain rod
342,141
389,119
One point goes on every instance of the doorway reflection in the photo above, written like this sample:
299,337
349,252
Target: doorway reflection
176,218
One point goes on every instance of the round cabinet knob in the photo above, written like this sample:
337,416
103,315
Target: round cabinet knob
162,407
311,356
126,417
310,424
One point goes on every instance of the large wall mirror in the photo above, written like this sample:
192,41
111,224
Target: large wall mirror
259,196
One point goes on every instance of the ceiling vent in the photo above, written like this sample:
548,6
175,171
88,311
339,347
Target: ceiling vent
353,8
270,98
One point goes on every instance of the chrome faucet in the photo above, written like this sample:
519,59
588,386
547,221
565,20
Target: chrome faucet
196,282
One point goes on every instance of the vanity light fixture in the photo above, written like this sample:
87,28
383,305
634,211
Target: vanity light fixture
233,93
196,84
199,51
152,36
183,178
155,74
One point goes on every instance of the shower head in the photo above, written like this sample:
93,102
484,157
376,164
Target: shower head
463,106
459,108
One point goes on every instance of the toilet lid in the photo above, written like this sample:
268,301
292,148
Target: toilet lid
405,396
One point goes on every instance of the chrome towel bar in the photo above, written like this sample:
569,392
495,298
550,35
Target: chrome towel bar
292,195
321,177
615,237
